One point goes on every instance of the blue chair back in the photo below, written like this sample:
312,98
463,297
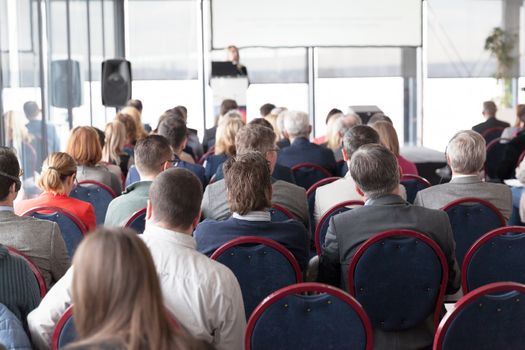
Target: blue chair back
324,223
309,316
307,174
342,168
470,219
99,195
413,184
408,288
489,317
71,228
261,266
280,214
495,257
137,221
495,153
65,332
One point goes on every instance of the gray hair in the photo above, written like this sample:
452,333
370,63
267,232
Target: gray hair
375,170
297,124
358,136
466,152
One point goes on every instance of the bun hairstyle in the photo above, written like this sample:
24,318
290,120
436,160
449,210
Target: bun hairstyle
56,168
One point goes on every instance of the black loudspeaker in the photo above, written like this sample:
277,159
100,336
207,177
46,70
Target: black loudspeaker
116,82
60,88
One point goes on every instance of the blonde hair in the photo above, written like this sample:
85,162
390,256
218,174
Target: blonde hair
225,136
84,146
56,168
135,114
387,136
333,136
115,139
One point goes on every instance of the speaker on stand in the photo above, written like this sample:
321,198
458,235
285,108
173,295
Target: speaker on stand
116,82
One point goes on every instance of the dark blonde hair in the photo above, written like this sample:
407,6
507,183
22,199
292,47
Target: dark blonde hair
56,168
115,133
135,114
131,127
84,146
225,135
387,136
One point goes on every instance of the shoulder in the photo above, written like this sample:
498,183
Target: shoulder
281,185
216,187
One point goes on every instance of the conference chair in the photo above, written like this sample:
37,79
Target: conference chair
492,134
470,219
308,316
307,174
96,193
495,153
71,228
279,213
489,317
413,184
261,266
310,196
36,271
324,223
400,278
498,256
137,221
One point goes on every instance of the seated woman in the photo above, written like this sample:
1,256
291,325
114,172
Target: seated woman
388,138
84,146
121,307
112,152
57,180
512,131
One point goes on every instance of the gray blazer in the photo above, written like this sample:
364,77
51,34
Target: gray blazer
39,240
292,197
436,197
100,174
346,233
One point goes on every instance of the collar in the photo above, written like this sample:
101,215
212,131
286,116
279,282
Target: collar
6,208
139,186
178,238
258,215
465,179
300,141
389,199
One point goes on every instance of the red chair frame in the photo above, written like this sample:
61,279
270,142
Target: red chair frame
304,288
60,325
467,299
99,184
478,244
320,183
135,216
479,201
410,233
36,271
312,166
265,241
52,209
326,216
284,211
420,179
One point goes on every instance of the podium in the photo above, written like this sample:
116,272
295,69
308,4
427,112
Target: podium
234,88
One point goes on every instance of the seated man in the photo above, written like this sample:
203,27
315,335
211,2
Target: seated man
376,174
466,156
297,127
248,180
39,240
203,294
260,139
489,113
152,156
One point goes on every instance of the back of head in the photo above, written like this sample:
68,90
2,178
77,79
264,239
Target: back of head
466,152
379,117
333,128
375,170
115,134
225,135
331,113
124,302
136,116
84,146
130,125
297,124
358,136
255,138
31,110
248,180
228,105
9,171
56,168
136,104
150,153
176,196
174,129
520,114
387,136
489,107
262,122
266,109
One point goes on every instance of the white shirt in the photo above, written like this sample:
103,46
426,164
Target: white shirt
203,294
254,216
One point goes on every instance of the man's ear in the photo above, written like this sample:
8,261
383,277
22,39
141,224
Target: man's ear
166,165
149,211
359,191
345,155
196,221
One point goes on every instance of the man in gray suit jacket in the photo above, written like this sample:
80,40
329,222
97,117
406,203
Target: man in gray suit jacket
39,240
466,155
256,138
376,174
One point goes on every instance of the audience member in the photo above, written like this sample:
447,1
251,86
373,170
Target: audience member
489,112
379,117
336,128
12,333
266,109
34,126
131,131
208,140
135,103
334,112
39,240
466,156
297,128
375,172
84,147
152,156
202,294
112,152
388,138
519,123
256,138
249,186
283,140
135,114
57,180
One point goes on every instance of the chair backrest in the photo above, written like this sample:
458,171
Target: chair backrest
492,134
310,195
308,316
36,271
280,213
399,277
71,227
413,184
495,153
489,317
261,266
307,174
137,221
470,219
96,193
496,257
322,226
